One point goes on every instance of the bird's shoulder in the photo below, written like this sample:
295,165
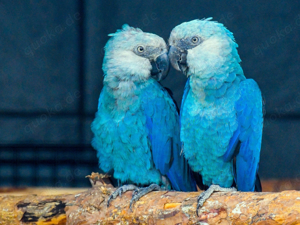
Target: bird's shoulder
155,95
250,94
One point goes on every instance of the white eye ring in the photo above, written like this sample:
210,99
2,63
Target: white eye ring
195,39
140,49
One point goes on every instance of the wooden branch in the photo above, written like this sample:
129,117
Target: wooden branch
89,207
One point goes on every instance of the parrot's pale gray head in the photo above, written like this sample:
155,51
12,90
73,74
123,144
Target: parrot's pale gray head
131,54
202,46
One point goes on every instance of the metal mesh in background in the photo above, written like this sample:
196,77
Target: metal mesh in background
53,166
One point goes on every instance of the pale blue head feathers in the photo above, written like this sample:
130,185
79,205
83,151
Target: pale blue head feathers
206,46
129,52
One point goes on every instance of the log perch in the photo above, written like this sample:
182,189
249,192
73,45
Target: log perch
164,207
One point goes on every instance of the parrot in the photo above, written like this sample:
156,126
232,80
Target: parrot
221,115
136,127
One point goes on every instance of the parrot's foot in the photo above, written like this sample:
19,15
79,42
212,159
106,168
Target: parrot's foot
120,191
137,194
206,194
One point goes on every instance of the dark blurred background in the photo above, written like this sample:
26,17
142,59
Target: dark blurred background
50,64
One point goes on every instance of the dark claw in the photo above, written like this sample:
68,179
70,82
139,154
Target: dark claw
108,201
114,195
111,197
198,207
117,193
197,210
134,197
133,200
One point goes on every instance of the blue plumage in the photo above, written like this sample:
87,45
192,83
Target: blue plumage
137,126
221,113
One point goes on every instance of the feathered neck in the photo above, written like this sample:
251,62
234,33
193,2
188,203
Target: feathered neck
214,62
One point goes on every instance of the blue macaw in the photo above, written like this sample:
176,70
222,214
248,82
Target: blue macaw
136,129
221,112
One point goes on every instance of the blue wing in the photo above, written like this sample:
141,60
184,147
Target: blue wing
185,93
163,124
197,176
245,143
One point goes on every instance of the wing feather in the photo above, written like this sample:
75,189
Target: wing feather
162,122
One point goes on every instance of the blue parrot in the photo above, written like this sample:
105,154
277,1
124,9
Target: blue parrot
221,112
136,128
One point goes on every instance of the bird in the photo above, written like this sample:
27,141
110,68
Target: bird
136,127
221,115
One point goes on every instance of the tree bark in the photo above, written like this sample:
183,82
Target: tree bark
167,207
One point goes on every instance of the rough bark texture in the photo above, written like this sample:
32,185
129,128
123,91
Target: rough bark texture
89,207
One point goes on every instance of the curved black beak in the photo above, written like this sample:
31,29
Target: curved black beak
177,58
160,67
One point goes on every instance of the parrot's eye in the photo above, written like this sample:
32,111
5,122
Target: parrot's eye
140,49
195,40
